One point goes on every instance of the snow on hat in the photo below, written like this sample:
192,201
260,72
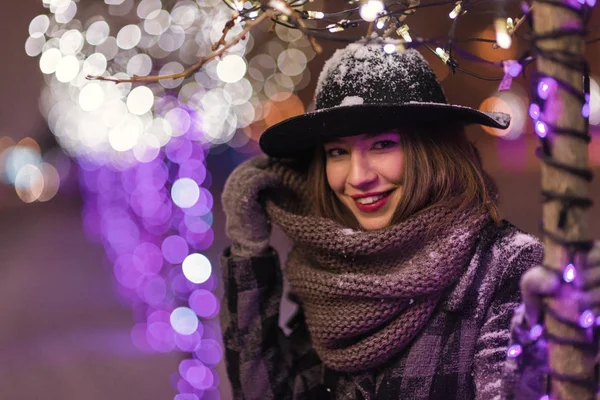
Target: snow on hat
364,89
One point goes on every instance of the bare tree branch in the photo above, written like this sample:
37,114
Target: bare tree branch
267,14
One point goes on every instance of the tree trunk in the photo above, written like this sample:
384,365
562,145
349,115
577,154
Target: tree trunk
564,110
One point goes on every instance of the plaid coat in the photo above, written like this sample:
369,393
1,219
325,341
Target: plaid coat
460,353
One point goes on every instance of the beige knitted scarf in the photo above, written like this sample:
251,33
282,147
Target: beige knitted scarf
367,294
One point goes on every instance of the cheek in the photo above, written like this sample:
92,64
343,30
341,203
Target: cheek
392,168
335,177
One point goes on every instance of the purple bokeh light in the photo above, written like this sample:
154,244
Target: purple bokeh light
175,249
149,228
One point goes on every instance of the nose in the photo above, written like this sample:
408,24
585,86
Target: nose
361,175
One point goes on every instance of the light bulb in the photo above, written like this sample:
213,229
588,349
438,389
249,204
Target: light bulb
545,87
316,15
403,31
389,48
456,10
534,111
371,9
541,129
514,351
586,319
502,37
570,273
536,332
443,54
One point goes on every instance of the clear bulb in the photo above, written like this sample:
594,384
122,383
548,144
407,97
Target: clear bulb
371,9
503,39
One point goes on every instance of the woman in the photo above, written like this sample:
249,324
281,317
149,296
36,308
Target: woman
405,275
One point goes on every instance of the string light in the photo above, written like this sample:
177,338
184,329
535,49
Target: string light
456,10
281,6
541,129
442,54
510,25
536,332
404,32
514,351
585,109
569,273
370,9
534,111
316,14
502,37
334,28
545,87
586,319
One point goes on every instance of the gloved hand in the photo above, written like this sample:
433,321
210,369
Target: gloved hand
538,282
247,224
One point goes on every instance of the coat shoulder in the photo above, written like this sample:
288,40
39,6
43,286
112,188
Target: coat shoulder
513,251
502,255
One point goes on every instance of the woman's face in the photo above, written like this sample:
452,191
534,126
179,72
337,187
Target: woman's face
366,172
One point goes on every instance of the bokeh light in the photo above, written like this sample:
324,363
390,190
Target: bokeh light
230,93
509,103
142,147
196,268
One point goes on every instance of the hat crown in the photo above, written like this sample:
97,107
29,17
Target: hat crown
364,73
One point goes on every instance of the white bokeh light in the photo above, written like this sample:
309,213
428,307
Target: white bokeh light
71,42
38,26
185,192
129,36
140,100
97,33
67,69
196,268
124,136
231,68
49,60
125,123
140,65
95,65
184,320
91,97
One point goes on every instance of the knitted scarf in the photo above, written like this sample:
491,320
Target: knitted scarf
367,294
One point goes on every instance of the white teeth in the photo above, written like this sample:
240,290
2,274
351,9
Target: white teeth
371,199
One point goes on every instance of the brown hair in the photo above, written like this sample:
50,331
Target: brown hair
442,167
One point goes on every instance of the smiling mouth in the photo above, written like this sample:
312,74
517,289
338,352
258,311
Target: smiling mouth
372,199
372,203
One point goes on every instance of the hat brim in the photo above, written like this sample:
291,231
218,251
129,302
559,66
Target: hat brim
293,136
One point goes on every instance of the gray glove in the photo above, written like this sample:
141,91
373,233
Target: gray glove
247,224
538,282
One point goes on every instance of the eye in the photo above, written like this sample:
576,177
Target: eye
384,144
335,152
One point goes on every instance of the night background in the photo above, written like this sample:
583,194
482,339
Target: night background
77,320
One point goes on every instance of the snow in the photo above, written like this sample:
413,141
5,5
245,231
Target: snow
375,64
352,101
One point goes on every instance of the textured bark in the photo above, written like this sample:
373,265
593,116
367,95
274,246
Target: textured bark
563,110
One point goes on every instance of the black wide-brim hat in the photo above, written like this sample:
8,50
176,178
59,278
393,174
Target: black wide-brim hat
364,89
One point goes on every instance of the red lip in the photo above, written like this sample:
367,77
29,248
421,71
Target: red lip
369,208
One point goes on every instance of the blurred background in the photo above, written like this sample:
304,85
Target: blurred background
110,222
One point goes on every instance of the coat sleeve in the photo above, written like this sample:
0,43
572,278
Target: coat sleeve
496,375
262,362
